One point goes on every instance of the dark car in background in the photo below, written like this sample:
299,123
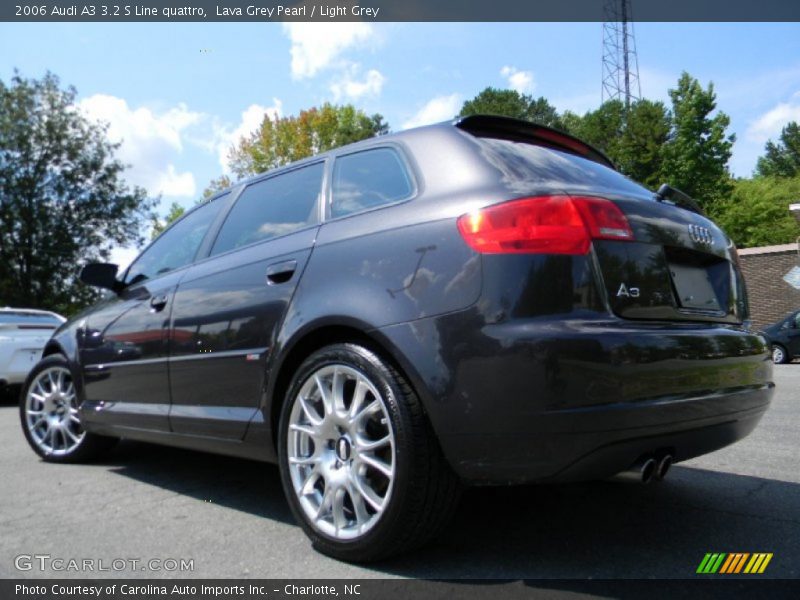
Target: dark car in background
483,301
784,338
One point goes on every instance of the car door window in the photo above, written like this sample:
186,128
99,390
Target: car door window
272,207
367,180
177,246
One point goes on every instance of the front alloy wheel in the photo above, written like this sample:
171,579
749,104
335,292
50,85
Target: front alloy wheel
50,417
360,465
51,412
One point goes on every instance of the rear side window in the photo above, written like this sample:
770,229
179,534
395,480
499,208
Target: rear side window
520,161
272,207
367,180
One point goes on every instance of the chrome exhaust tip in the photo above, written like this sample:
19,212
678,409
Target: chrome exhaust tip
642,471
664,466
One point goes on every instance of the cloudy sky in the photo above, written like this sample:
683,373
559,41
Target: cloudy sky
178,95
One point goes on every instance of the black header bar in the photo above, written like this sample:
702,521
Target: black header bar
260,11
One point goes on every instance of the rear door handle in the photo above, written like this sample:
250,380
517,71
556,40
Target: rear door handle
281,272
157,303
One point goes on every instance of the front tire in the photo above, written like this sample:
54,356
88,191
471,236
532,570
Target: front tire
359,462
48,410
779,354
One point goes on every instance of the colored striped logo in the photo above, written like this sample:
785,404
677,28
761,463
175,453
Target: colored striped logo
735,562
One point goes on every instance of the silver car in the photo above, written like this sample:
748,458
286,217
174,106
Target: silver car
23,334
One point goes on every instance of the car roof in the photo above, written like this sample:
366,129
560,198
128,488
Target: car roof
478,125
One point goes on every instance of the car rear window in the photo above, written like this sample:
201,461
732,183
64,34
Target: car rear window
521,161
368,179
23,318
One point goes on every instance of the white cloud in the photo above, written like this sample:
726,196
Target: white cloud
769,125
349,86
437,109
172,183
251,120
316,46
148,142
521,81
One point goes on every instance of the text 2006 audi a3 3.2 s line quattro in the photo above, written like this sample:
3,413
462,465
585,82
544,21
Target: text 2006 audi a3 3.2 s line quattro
483,301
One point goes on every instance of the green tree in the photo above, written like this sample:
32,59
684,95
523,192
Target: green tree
757,212
62,197
634,141
510,103
696,156
782,159
287,139
640,152
217,185
602,128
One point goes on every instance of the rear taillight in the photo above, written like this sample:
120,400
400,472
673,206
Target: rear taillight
544,225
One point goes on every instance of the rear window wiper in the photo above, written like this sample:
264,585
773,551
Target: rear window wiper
671,195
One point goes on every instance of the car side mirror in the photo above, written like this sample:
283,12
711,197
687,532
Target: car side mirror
101,275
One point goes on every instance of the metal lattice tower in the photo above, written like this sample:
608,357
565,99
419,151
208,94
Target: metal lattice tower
620,63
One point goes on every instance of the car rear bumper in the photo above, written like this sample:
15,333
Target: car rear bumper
598,442
566,400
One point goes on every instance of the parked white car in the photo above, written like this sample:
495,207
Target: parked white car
23,335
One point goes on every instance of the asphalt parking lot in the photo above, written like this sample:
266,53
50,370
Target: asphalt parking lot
229,516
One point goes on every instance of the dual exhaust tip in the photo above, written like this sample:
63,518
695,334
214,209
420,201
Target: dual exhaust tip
647,469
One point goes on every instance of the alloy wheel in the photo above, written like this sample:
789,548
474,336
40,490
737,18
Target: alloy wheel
778,356
51,412
341,451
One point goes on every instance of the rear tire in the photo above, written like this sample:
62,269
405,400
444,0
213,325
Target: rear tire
359,462
48,410
779,354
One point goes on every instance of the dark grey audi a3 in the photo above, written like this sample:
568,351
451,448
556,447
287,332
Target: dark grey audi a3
483,301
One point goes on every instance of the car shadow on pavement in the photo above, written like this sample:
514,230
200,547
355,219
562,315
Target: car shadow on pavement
597,529
9,395
244,485
615,530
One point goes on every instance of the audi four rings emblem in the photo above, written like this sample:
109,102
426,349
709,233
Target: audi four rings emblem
701,235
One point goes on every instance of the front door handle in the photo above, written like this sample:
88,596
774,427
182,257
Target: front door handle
157,303
281,272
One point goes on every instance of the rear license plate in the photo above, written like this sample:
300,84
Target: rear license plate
693,287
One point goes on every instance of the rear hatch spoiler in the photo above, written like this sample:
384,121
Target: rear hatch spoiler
517,130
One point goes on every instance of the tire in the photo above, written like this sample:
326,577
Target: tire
779,355
48,411
359,497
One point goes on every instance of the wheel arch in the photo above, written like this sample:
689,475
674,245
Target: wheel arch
53,347
316,336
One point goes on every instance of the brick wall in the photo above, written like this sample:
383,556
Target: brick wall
771,298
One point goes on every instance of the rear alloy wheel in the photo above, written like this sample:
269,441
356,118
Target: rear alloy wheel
50,417
341,451
779,355
359,463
